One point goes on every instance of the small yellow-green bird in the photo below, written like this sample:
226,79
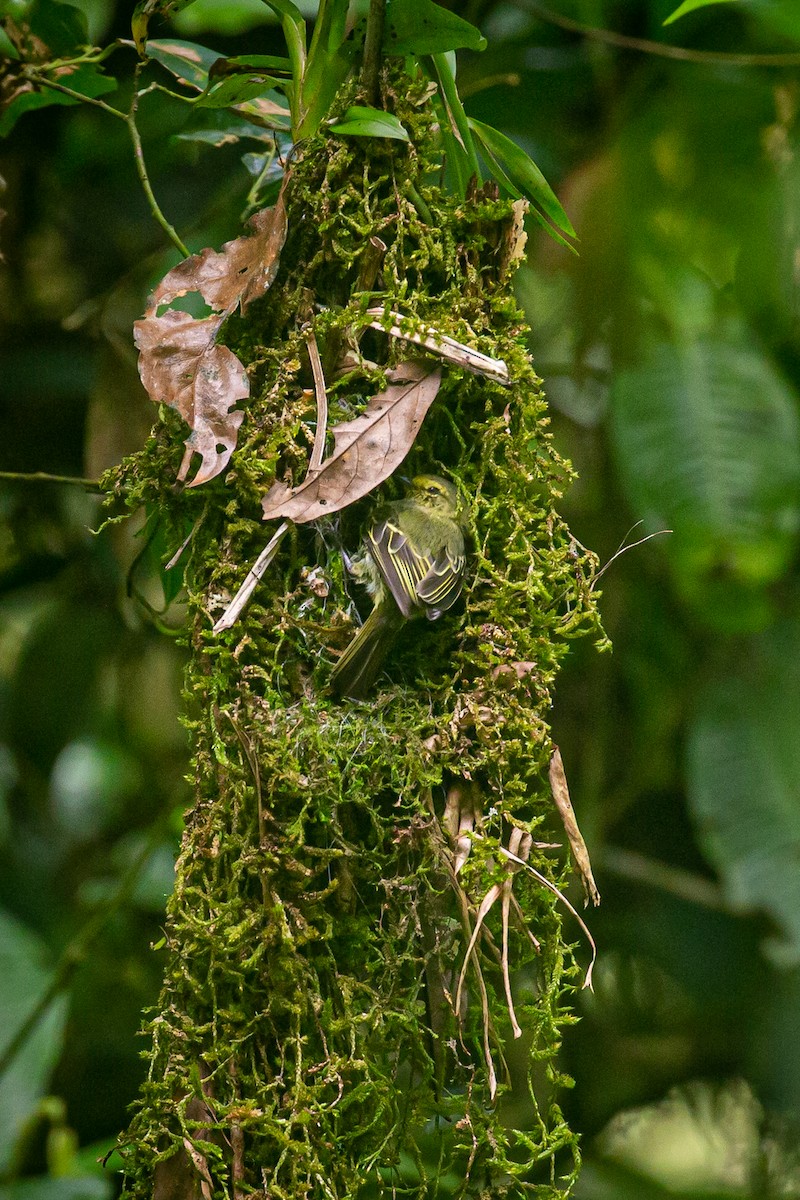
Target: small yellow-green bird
412,564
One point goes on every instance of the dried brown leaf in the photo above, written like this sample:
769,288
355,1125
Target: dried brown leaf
558,784
180,363
239,273
366,450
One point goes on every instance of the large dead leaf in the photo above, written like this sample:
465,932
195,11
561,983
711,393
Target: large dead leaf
237,274
180,363
366,450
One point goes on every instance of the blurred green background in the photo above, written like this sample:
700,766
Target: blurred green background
670,349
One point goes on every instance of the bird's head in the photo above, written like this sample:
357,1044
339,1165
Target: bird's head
437,494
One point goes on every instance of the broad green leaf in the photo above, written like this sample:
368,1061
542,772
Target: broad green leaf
244,63
708,445
190,63
236,89
228,17
690,6
422,27
227,129
25,975
523,173
88,80
743,777
370,122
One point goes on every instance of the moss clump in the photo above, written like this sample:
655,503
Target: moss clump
305,1043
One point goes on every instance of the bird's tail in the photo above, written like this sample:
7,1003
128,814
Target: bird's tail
357,669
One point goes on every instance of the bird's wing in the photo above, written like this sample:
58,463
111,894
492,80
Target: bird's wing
402,566
441,585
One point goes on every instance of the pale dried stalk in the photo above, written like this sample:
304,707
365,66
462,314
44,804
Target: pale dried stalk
242,597
558,784
318,449
442,345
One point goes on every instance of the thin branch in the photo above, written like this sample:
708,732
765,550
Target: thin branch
89,485
43,81
141,169
623,549
446,347
662,49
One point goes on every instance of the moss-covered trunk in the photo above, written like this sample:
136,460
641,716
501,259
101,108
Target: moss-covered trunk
305,1043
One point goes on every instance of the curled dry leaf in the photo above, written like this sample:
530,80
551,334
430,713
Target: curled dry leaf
180,362
558,784
181,365
366,450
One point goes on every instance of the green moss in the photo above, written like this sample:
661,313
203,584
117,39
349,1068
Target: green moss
305,1043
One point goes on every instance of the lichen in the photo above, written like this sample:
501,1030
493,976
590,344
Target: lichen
305,1043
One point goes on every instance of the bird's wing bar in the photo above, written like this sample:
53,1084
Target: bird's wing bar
402,567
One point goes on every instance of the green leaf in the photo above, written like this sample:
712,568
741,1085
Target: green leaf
251,63
226,129
236,89
25,975
708,445
422,27
690,6
523,173
360,121
61,27
743,776
445,67
190,63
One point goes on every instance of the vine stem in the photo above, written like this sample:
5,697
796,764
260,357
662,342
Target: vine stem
373,43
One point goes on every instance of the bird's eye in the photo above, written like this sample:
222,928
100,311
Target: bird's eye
433,491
